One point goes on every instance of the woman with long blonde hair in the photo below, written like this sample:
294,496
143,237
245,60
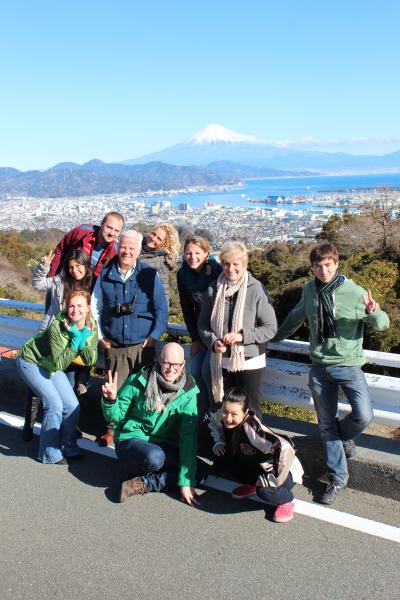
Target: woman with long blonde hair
160,250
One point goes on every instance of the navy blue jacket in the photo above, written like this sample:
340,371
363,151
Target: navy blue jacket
145,291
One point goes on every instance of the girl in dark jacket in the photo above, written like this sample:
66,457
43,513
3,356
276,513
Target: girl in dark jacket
255,455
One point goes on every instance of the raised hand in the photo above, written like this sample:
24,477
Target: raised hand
110,388
47,258
370,304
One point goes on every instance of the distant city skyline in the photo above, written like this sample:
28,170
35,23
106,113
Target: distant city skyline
116,81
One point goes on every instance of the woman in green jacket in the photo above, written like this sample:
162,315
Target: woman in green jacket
42,363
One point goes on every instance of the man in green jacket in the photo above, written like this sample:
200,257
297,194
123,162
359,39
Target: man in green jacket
155,416
336,309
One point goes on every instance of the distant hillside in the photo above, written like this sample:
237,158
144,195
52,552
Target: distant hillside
216,143
238,171
96,177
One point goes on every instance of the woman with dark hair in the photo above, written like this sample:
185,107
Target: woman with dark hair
77,274
42,365
262,460
197,272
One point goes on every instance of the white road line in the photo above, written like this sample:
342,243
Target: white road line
316,511
387,532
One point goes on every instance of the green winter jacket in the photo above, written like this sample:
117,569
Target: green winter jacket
176,425
346,348
52,349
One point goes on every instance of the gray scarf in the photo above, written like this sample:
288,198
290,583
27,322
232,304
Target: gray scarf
159,392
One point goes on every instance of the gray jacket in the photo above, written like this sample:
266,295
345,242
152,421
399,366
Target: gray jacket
163,263
55,285
259,320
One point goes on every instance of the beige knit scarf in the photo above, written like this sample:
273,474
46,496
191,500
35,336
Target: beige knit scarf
236,359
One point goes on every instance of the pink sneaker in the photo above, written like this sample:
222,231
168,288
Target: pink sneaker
284,512
243,491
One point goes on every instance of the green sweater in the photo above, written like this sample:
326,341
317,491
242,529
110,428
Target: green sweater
346,348
176,425
52,349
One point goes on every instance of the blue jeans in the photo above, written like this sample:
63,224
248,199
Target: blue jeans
60,411
324,384
201,370
158,464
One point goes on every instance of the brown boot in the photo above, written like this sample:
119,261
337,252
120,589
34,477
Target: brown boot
133,487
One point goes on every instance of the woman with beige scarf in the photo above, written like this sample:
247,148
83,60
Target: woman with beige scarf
236,321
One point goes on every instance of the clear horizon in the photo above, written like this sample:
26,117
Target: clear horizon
114,82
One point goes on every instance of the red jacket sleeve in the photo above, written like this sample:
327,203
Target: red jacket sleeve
71,241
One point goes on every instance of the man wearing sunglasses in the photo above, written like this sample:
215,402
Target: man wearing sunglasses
155,416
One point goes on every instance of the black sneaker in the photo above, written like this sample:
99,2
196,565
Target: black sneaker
350,448
331,492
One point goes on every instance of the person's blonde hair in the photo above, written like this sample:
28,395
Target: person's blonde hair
171,243
234,248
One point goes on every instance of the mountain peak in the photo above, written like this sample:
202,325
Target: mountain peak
216,133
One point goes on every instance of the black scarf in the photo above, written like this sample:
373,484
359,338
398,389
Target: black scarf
325,306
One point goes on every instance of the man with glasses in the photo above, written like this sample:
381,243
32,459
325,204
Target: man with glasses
155,416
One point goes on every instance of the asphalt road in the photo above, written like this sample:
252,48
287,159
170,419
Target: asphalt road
63,536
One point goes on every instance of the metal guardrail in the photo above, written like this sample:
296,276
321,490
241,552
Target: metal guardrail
285,382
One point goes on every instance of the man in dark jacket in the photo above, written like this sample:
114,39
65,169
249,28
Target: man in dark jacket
100,243
131,309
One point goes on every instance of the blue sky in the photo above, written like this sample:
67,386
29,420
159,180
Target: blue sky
118,79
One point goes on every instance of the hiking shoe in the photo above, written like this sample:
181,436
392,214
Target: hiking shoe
284,513
350,448
243,491
133,487
331,492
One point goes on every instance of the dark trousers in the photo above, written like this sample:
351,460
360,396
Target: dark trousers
250,381
158,464
270,495
127,360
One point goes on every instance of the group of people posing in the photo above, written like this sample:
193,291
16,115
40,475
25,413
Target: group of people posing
108,287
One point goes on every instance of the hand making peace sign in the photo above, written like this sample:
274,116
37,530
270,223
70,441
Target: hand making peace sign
47,258
370,304
109,389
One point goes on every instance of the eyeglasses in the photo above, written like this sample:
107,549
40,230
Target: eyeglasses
170,365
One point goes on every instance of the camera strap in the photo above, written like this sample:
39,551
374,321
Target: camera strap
131,301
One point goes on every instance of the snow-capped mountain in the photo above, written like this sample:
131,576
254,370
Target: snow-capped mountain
215,143
213,134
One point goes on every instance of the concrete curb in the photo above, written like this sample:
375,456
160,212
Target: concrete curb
375,469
